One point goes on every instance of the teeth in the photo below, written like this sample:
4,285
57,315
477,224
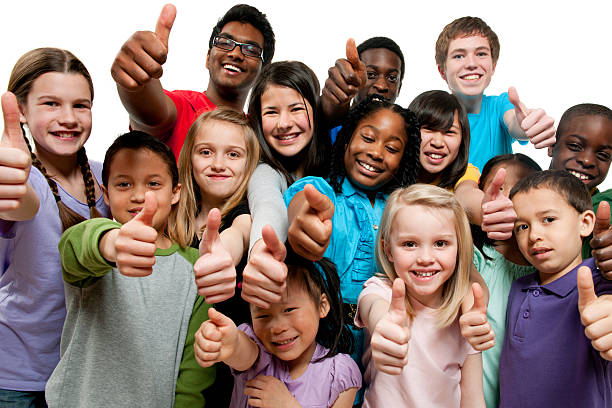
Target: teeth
368,167
581,176
231,68
471,77
424,274
284,342
286,137
435,156
64,135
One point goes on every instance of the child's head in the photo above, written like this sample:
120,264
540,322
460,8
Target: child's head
217,159
424,239
310,310
377,147
467,50
517,166
135,163
445,137
584,143
284,108
55,94
554,213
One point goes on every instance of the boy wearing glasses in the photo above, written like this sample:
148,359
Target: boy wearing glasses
240,44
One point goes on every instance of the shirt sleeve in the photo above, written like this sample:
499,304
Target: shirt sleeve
264,359
345,375
373,286
471,173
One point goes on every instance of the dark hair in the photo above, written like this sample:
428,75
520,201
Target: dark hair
27,69
299,77
435,110
583,109
568,186
319,278
248,14
136,140
383,42
409,164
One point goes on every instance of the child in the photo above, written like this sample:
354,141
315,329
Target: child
123,338
53,94
466,55
417,355
289,355
284,109
547,360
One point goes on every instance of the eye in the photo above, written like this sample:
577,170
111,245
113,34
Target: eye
297,108
392,78
520,227
440,243
205,152
290,309
154,184
367,137
269,112
574,147
261,316
457,56
81,106
51,103
548,220
372,75
409,244
482,54
234,155
123,184
392,149
603,156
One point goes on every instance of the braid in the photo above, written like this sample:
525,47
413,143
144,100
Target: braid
38,164
90,187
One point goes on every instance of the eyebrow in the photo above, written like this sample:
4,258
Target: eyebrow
375,67
231,37
465,49
290,105
203,144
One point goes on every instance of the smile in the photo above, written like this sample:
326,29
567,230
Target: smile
471,77
232,68
581,176
65,135
369,167
427,274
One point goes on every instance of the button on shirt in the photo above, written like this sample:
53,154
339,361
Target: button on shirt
547,360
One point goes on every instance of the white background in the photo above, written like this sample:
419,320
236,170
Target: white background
556,54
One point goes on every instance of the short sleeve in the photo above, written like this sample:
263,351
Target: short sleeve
320,184
471,173
373,286
263,360
345,374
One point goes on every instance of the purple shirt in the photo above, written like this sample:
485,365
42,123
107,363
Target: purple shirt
547,361
318,387
32,303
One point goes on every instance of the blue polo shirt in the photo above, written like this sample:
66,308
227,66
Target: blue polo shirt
547,360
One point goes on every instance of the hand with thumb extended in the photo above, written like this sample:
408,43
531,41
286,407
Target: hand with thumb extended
498,213
474,324
359,69
595,313
15,158
601,243
537,125
216,339
135,244
310,228
392,333
215,273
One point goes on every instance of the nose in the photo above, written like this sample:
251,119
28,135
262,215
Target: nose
278,325
585,159
284,120
534,233
236,53
376,151
138,194
381,85
67,116
437,139
425,256
470,60
218,162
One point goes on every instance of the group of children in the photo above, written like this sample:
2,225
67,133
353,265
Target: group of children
272,267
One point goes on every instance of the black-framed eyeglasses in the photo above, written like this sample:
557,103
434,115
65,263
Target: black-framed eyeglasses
248,50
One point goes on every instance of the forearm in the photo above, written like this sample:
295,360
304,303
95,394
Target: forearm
472,395
233,241
245,353
372,308
27,209
514,128
470,197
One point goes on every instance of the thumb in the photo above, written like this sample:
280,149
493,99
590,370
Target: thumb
398,298
495,186
519,107
274,245
602,219
211,233
148,211
352,55
164,23
479,299
13,135
586,290
319,202
218,318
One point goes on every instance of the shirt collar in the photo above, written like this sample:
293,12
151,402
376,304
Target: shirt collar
565,284
349,189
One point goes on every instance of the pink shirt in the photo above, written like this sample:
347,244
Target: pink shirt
435,356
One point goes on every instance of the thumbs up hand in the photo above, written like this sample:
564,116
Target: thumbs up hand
537,125
310,214
595,314
15,158
474,324
215,273
601,244
392,333
216,339
141,57
498,213
135,242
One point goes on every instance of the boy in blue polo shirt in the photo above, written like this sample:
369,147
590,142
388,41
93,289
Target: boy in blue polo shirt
558,339
467,50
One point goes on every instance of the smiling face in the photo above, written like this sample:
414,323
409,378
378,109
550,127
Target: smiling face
219,159
584,148
286,120
439,148
288,329
469,66
132,173
549,231
376,148
58,113
232,71
423,250
383,69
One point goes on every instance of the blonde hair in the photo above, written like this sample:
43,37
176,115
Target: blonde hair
182,224
457,286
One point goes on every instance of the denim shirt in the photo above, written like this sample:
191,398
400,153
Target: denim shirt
355,225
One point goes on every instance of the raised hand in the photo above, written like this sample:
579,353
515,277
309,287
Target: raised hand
141,57
601,243
392,333
498,213
269,392
215,273
595,314
15,159
310,226
264,276
216,339
474,324
135,243
537,125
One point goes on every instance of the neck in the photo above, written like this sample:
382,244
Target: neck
471,103
233,99
426,177
163,241
549,277
298,366
61,167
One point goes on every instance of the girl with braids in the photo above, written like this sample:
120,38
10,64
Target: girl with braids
57,187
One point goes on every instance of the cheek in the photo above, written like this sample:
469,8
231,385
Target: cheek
453,147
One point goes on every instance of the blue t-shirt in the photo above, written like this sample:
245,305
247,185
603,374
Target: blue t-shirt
489,135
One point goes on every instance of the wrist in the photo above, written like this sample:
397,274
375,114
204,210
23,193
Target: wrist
106,245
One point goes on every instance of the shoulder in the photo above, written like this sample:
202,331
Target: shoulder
190,254
378,286
197,99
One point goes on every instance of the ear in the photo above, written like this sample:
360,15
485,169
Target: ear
176,194
493,69
105,194
207,58
22,113
550,150
323,306
387,250
441,71
587,223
